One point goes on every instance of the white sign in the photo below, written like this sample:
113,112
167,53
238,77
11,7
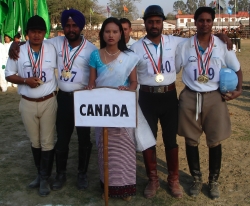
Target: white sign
105,107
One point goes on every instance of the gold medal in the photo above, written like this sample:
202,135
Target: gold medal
205,78
159,78
66,74
40,81
201,79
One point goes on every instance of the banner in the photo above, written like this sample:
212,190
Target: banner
42,11
105,107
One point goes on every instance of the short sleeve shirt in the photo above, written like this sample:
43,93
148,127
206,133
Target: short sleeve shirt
145,71
186,58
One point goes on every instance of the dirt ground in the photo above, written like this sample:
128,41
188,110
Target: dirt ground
17,169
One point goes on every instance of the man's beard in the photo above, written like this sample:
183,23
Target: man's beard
154,34
76,36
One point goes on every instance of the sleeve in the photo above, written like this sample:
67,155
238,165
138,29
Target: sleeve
178,58
11,67
231,60
92,59
178,40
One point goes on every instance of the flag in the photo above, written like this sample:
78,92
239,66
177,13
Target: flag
214,5
108,9
220,7
42,11
179,11
24,15
125,8
11,23
91,11
229,10
4,8
31,8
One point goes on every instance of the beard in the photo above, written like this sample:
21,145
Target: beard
72,36
154,32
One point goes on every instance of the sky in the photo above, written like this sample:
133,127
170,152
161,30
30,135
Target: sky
167,5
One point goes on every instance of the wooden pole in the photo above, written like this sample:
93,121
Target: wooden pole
105,165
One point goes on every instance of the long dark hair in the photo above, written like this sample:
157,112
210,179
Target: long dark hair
121,43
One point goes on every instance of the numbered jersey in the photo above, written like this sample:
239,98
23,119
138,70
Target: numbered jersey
145,70
23,67
187,59
80,69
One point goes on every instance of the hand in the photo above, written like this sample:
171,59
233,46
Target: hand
90,86
33,82
231,95
224,38
123,88
14,51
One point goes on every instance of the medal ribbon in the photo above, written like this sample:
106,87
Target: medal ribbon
36,64
68,62
203,68
157,68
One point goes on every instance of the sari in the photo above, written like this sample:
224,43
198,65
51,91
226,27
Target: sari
121,141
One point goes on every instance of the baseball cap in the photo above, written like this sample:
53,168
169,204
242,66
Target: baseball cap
228,80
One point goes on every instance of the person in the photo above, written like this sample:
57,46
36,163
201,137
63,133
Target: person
112,59
73,74
73,53
17,38
157,96
126,25
2,68
201,106
3,83
238,33
37,86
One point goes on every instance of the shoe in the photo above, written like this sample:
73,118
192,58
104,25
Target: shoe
128,198
173,172
196,187
214,192
149,156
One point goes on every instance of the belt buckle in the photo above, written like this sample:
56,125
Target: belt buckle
158,89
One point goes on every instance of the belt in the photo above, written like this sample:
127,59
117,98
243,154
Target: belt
186,87
157,89
66,93
41,99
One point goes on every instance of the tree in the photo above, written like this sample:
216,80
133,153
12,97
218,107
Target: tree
191,6
57,6
170,16
179,5
243,5
117,8
202,3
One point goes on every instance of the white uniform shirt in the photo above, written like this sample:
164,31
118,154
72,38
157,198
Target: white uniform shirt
6,52
186,58
23,68
2,55
130,42
145,71
80,68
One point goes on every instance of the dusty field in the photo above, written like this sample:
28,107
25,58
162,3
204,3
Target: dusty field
17,168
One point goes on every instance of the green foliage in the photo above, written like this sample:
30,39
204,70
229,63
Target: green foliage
179,5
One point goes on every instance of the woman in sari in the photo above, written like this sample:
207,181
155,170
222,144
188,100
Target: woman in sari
114,66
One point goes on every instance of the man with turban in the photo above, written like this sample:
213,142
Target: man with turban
73,74
73,53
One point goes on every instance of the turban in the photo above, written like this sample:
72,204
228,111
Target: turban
76,15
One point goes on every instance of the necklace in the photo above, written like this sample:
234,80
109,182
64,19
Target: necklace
110,64
111,54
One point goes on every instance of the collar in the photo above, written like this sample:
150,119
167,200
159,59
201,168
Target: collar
147,41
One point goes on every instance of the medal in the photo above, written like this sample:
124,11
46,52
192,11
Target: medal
159,78
40,81
157,67
67,60
203,65
66,73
